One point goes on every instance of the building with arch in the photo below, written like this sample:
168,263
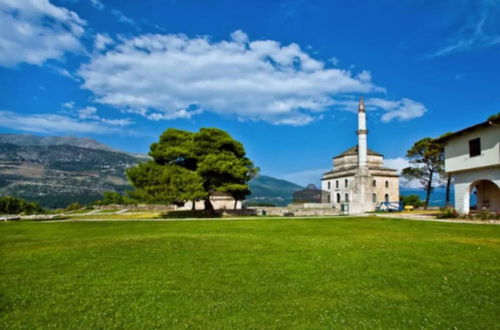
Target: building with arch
472,157
359,178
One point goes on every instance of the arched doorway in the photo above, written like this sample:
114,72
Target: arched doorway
484,195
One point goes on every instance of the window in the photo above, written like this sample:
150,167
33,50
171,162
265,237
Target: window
329,185
328,199
347,198
337,184
374,183
374,198
338,198
475,147
346,183
386,197
387,184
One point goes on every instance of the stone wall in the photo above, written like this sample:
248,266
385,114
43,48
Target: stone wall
294,211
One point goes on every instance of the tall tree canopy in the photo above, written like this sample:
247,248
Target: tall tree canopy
192,165
426,155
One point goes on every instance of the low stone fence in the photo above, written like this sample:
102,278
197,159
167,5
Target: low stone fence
294,211
137,207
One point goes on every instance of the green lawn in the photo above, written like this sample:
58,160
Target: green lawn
309,273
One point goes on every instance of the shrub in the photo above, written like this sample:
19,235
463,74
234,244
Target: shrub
495,116
411,200
191,214
448,213
486,215
115,198
13,205
74,207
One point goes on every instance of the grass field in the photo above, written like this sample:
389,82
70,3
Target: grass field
302,273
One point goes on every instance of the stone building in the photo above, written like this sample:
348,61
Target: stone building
359,181
472,157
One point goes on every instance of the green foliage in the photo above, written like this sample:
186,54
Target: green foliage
191,166
115,198
13,205
484,215
73,207
427,157
341,273
413,200
495,116
165,183
448,213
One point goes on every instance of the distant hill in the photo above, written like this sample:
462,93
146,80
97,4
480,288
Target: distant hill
34,140
56,171
266,189
56,175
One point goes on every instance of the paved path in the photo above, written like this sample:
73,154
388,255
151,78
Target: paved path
413,217
425,217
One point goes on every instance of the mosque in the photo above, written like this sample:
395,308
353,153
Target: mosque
359,182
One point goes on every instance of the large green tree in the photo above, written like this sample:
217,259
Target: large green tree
191,166
426,157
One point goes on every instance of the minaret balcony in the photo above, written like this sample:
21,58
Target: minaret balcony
362,131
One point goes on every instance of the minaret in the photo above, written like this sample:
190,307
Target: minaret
362,132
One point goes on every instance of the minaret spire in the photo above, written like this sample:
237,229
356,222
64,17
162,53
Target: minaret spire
362,132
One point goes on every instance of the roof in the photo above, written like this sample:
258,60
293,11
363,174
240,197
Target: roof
354,151
351,171
488,123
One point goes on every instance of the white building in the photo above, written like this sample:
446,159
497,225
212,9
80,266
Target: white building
359,178
472,157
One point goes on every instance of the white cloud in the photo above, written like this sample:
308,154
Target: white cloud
171,75
402,110
121,17
335,61
34,31
97,4
397,163
102,41
91,114
63,72
480,30
51,123
68,105
88,113
400,163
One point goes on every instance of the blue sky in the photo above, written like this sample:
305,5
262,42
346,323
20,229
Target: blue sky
283,77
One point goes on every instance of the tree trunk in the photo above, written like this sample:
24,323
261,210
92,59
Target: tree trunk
448,185
235,203
428,190
193,207
208,206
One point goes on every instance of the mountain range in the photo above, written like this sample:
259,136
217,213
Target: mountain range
57,171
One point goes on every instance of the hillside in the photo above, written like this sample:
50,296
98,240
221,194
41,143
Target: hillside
34,140
56,171
266,189
55,175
